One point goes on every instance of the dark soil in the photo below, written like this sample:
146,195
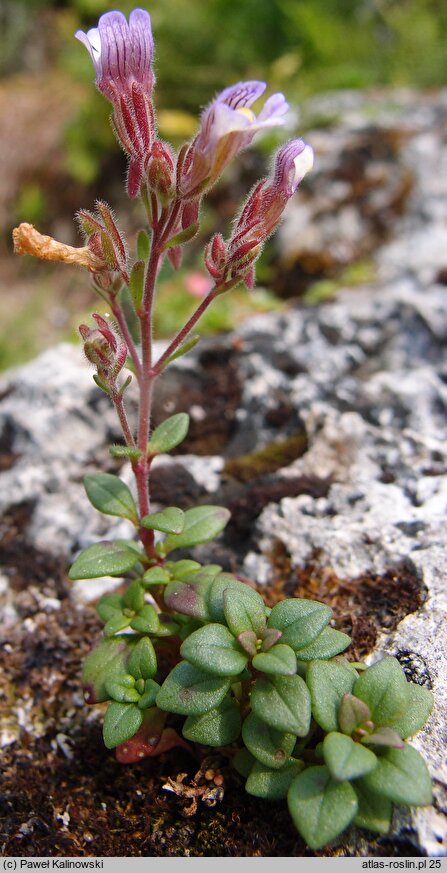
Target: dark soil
63,793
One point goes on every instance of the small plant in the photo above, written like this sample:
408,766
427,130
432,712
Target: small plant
191,655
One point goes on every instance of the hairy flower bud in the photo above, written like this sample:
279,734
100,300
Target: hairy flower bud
160,171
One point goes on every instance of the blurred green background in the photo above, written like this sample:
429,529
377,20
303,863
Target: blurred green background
58,152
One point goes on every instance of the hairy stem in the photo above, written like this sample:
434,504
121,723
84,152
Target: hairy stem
183,333
126,335
118,403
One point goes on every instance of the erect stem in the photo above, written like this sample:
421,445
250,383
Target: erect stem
183,333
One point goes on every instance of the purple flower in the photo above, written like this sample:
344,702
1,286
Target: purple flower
122,56
228,125
121,52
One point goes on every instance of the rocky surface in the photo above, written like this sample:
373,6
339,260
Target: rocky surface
323,429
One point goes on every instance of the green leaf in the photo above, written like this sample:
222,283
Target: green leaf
121,722
147,620
384,736
299,620
169,434
419,707
216,591
402,776
328,681
217,727
143,245
149,695
248,640
374,812
327,644
270,636
167,627
102,384
110,495
185,347
283,702
345,758
136,283
321,808
107,660
244,610
128,452
272,784
118,622
214,649
190,691
385,689
353,713
280,660
170,520
182,237
122,689
269,746
134,596
243,762
103,559
142,662
156,576
189,598
109,605
183,569
202,523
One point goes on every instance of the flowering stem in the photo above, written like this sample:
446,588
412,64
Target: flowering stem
118,403
183,333
126,335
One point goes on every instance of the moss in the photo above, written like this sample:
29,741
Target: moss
271,458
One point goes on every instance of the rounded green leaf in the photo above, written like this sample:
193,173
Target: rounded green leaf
190,691
109,605
110,495
269,746
272,784
215,594
419,707
321,808
299,620
134,596
116,623
243,762
142,662
149,694
169,434
217,727
147,621
374,812
345,758
106,661
280,660
104,559
122,689
136,283
190,597
155,576
328,643
213,648
244,610
402,776
169,520
121,722
283,702
328,681
201,524
183,569
385,689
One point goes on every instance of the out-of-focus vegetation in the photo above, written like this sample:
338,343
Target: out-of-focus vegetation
299,46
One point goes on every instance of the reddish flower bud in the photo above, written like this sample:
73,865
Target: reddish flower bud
160,171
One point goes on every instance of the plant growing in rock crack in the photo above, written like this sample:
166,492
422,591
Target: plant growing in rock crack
183,641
